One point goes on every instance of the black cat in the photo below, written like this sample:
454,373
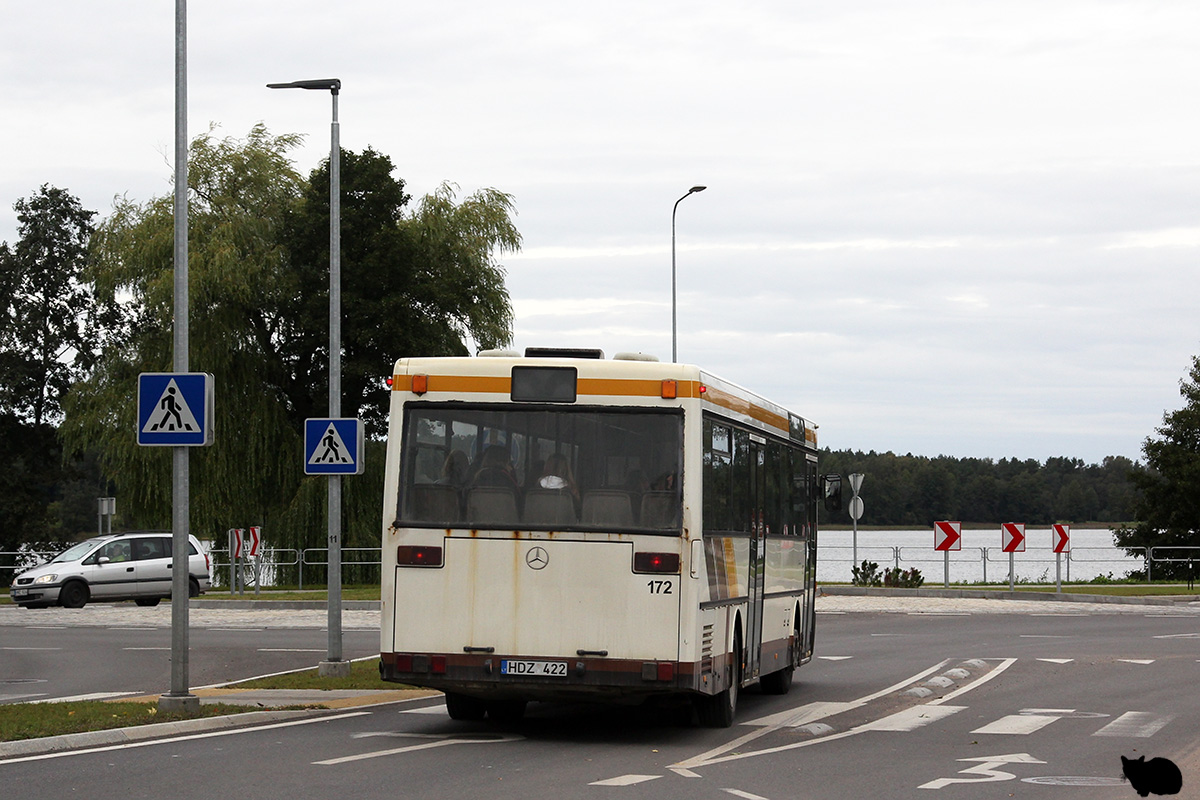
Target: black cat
1158,775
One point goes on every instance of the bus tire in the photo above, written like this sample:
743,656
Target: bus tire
463,708
718,710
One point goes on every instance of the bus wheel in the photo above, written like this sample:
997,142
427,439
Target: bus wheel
464,708
717,710
506,712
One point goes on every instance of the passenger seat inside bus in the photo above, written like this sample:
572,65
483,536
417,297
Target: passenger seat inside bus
659,510
435,503
550,507
603,507
487,505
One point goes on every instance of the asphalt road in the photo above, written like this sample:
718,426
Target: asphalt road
1024,700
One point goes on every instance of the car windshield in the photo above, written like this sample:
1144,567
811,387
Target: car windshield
75,553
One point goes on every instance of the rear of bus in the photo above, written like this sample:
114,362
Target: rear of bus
534,531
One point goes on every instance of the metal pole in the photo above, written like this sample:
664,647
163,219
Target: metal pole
946,565
179,697
1012,576
674,326
335,664
1058,572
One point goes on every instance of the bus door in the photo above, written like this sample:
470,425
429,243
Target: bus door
757,562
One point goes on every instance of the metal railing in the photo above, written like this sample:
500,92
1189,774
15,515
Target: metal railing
969,557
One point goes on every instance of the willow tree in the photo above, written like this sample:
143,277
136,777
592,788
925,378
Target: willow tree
259,323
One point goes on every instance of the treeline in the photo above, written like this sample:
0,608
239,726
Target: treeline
918,490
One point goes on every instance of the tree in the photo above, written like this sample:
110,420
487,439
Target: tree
47,321
1168,509
47,334
259,323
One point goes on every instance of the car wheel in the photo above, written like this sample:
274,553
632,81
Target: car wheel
74,594
193,587
147,601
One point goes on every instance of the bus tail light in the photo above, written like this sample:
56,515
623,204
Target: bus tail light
656,562
408,555
670,389
420,384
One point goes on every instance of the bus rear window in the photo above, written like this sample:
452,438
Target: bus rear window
527,467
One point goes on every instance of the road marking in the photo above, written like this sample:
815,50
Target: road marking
1057,660
1017,724
743,795
146,648
626,780
118,628
807,712
835,658
289,650
1135,724
1179,636
30,648
1043,636
912,718
987,769
45,627
433,740
235,630
1142,661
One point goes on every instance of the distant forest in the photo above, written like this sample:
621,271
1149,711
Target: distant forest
918,490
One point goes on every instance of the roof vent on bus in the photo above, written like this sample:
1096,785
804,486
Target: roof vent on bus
563,352
634,357
498,354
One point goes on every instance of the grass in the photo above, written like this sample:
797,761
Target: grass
292,593
36,720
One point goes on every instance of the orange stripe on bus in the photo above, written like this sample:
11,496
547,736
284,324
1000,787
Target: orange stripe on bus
612,387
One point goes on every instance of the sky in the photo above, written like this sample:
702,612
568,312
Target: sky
933,227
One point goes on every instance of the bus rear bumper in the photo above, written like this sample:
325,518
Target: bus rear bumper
542,678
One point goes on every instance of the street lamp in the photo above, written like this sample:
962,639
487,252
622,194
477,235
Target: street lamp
334,665
674,327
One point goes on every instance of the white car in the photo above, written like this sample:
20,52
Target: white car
120,566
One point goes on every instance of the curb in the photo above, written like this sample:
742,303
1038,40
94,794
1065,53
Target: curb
139,733
987,594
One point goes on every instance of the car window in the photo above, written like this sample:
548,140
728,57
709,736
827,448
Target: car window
115,552
147,549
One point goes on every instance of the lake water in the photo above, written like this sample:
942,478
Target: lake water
1092,554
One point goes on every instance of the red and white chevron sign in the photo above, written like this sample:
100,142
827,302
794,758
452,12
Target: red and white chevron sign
947,535
1012,537
1060,542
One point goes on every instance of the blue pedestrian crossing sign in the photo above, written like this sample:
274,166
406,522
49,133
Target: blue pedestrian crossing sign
175,409
333,446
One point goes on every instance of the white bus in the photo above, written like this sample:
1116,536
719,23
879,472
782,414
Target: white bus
561,526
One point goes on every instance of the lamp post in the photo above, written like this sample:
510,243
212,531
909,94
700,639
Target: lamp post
334,665
674,324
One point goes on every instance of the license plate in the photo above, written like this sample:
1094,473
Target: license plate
19,592
537,669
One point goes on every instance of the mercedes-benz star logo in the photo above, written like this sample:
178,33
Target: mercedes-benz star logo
537,558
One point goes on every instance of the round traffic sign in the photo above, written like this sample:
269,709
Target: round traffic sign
856,508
